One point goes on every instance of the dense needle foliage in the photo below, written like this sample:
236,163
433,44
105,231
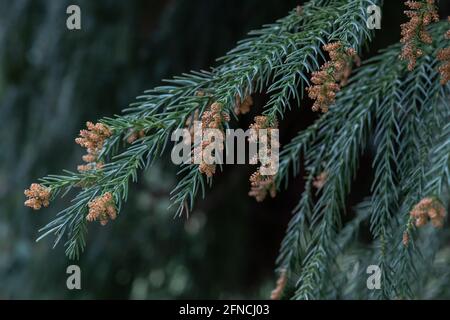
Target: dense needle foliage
402,113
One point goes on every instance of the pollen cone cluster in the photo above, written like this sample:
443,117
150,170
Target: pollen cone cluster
320,180
243,107
133,135
261,185
261,122
332,76
414,33
444,56
213,118
405,238
281,284
92,139
38,196
428,209
102,209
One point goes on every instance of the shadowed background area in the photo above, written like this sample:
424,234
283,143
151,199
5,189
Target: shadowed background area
52,80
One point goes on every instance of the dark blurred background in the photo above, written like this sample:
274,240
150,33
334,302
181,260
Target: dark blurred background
53,80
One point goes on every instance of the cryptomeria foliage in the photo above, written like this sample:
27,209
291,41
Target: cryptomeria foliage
402,113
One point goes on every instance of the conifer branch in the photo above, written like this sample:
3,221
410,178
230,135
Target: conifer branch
398,111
